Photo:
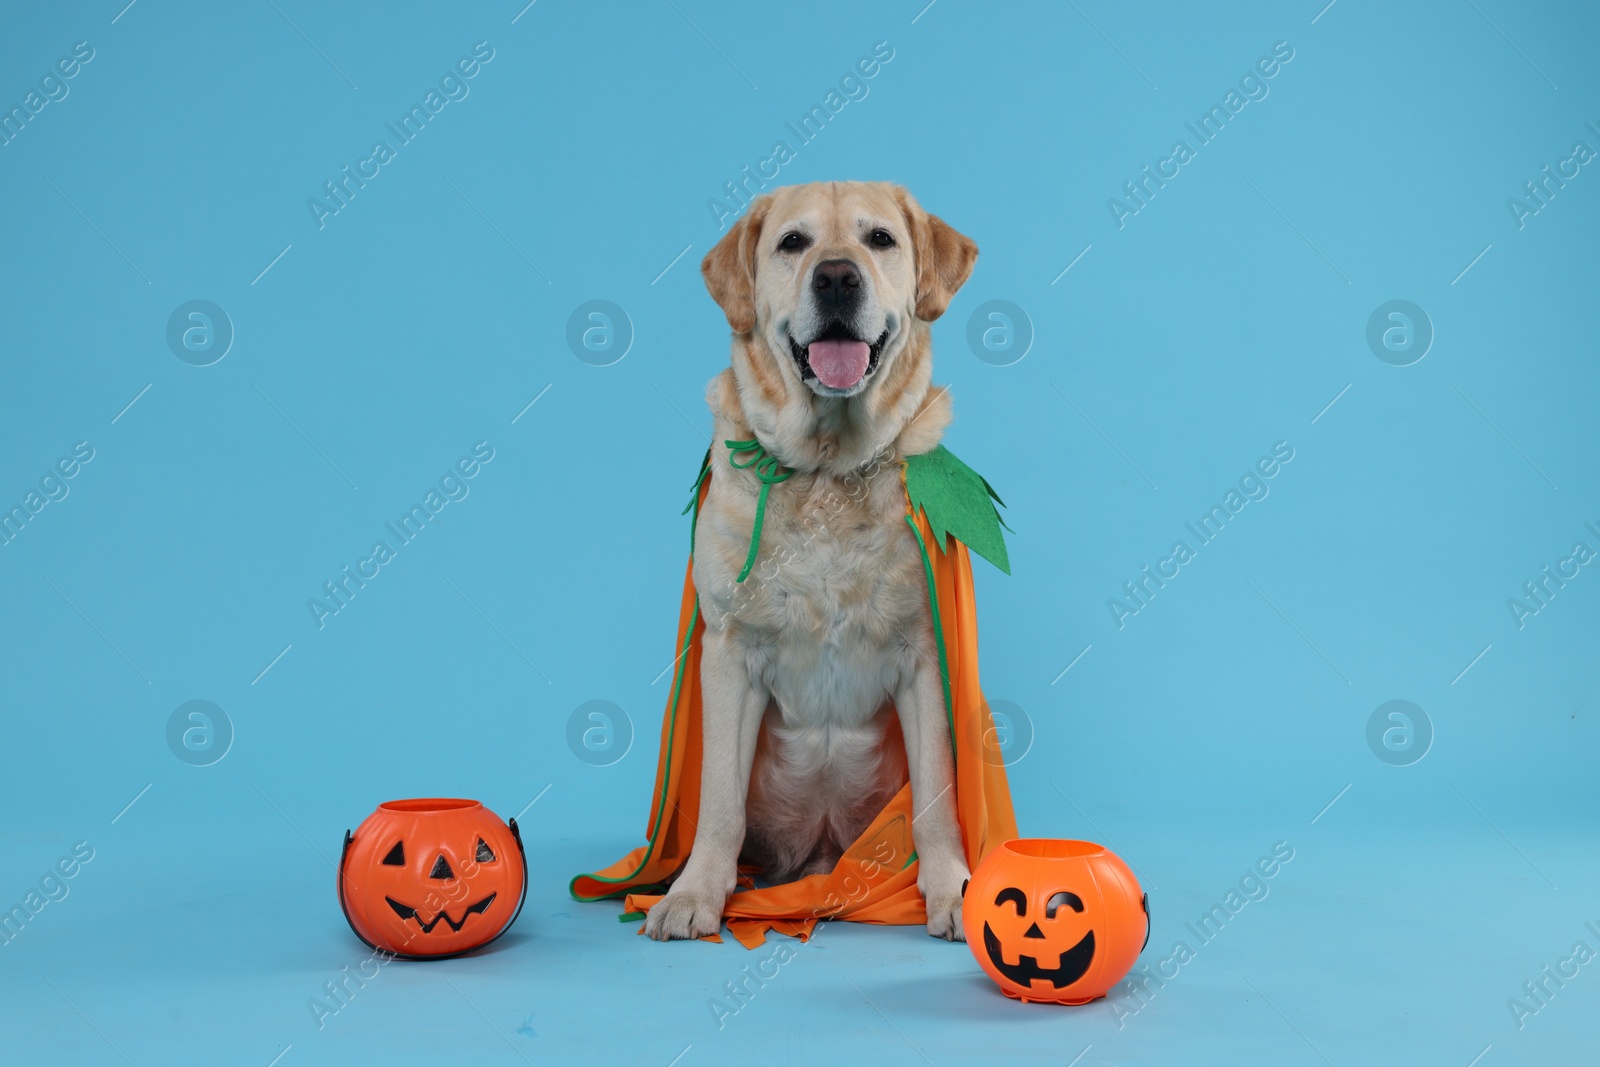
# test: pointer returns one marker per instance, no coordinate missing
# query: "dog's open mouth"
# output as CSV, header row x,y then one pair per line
x,y
837,358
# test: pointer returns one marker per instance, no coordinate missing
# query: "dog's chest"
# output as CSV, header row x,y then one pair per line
x,y
837,593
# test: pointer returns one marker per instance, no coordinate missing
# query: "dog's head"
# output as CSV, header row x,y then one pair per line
x,y
831,280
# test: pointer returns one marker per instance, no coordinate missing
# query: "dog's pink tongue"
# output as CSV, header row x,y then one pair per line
x,y
838,364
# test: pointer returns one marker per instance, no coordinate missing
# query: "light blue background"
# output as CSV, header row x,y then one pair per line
x,y
1223,317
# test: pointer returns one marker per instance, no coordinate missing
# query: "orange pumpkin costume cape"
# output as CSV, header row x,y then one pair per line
x,y
949,509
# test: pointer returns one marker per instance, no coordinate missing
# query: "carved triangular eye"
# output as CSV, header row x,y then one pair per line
x,y
484,854
441,868
397,855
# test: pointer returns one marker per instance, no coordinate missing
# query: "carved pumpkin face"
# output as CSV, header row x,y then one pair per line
x,y
1053,920
433,877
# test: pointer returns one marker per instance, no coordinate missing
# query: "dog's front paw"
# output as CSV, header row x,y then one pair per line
x,y
941,897
685,913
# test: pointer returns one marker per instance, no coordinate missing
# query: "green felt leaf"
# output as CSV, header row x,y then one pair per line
x,y
959,503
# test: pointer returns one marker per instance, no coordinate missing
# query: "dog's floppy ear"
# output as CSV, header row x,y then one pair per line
x,y
944,258
730,268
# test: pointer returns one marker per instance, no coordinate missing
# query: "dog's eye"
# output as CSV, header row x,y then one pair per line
x,y
792,242
881,239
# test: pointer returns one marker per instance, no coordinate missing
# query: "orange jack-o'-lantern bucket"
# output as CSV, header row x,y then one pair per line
x,y
1054,920
432,878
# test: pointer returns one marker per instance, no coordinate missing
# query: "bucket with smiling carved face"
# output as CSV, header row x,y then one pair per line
x,y
432,878
1054,920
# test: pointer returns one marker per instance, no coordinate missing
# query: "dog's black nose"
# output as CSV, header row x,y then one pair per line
x,y
837,283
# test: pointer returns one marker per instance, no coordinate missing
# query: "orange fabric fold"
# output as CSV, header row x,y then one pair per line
x,y
875,881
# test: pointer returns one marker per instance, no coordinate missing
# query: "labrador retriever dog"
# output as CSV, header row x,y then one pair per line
x,y
829,289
